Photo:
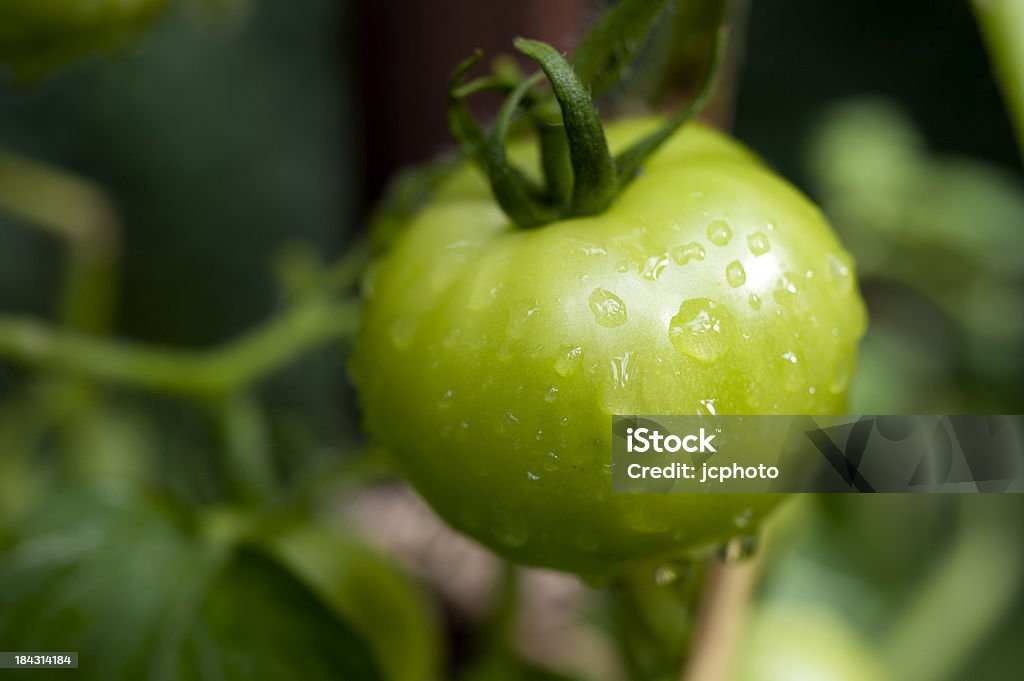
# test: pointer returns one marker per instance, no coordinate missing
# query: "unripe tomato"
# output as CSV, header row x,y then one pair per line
x,y
491,358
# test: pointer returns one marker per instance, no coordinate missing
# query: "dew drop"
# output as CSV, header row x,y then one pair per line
x,y
839,272
517,324
700,329
686,253
793,376
551,462
743,518
608,308
719,232
785,291
624,369
707,407
569,360
530,475
552,394
665,575
739,549
735,274
653,267
758,243
755,301
446,400
623,266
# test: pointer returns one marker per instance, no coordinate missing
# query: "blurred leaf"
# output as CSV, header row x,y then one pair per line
x,y
122,581
806,643
381,602
949,229
39,35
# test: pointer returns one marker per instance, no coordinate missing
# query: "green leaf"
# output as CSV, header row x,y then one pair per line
x,y
384,605
127,584
614,43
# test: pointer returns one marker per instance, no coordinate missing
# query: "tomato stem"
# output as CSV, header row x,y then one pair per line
x,y
580,175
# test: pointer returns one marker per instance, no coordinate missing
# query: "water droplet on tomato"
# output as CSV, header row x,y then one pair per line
x,y
758,243
665,575
719,232
446,399
686,253
792,372
739,549
552,394
735,274
551,462
743,518
653,267
700,329
608,308
755,301
839,271
569,360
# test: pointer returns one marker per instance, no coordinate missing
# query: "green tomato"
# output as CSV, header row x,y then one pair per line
x,y
37,35
491,358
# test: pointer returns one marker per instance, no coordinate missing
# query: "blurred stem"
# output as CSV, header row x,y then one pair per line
x,y
970,590
80,212
498,631
247,447
1002,26
653,609
723,610
211,374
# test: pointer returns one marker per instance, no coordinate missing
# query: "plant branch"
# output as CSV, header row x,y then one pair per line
x,y
79,212
213,373
722,613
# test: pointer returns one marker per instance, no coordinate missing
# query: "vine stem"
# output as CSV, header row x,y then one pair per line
x,y
81,214
207,374
721,616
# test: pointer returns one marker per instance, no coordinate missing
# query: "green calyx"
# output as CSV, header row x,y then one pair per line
x,y
580,175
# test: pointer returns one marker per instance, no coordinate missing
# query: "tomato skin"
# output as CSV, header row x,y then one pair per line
x,y
491,358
